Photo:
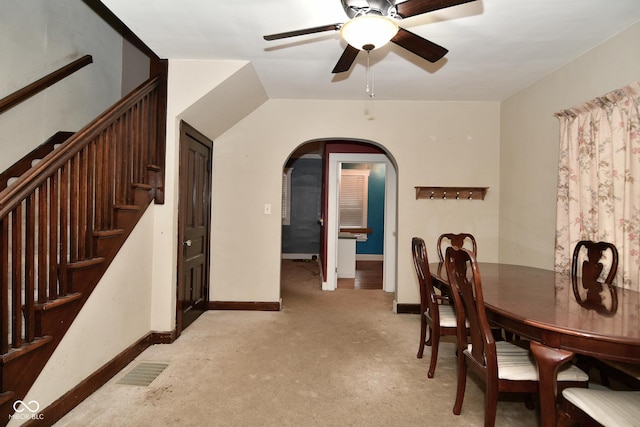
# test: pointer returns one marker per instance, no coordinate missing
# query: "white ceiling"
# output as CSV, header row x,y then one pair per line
x,y
496,47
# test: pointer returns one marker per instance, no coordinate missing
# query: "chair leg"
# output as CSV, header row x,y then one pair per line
x,y
423,334
435,341
430,336
530,401
491,404
462,383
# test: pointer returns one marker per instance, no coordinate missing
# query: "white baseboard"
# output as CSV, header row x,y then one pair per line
x,y
369,257
299,256
326,287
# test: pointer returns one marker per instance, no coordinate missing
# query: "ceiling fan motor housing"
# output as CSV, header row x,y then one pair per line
x,y
355,8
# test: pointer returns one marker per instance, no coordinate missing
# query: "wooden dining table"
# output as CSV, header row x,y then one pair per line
x,y
540,305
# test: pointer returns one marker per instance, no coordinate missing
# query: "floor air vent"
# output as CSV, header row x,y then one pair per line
x,y
143,373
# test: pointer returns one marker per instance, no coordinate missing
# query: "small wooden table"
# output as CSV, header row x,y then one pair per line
x,y
540,305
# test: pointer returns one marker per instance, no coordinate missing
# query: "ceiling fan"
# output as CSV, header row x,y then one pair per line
x,y
373,23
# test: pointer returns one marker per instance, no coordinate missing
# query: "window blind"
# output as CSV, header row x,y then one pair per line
x,y
353,199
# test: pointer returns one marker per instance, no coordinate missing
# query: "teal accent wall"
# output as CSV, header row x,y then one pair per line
x,y
375,209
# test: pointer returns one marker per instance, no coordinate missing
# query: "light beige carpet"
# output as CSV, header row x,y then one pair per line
x,y
338,358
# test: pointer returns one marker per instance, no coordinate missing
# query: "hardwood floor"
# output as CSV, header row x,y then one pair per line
x,y
368,276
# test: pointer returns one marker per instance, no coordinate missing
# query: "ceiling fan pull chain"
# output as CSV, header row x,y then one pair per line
x,y
367,89
370,77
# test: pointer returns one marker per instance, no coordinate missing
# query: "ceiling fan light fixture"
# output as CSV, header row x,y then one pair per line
x,y
368,32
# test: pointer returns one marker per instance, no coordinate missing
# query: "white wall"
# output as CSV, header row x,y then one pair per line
x,y
529,144
189,81
135,67
433,143
36,38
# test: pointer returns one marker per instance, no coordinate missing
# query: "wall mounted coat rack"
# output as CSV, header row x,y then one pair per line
x,y
451,193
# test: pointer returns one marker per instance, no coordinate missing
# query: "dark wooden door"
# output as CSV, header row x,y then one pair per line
x,y
194,230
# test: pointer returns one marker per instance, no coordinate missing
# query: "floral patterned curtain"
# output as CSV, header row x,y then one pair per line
x,y
599,180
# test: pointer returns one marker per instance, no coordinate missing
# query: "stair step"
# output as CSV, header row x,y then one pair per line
x,y
127,207
58,302
104,234
26,348
84,264
142,186
155,178
142,193
107,242
126,216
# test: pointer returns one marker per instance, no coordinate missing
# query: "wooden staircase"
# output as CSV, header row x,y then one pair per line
x,y
63,221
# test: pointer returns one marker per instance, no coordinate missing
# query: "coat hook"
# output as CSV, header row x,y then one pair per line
x,y
431,196
444,196
470,195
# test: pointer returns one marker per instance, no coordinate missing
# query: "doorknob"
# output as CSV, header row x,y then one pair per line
x,y
187,243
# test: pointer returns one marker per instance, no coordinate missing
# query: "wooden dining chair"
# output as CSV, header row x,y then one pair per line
x,y
459,240
504,366
589,287
590,278
591,281
436,311
599,407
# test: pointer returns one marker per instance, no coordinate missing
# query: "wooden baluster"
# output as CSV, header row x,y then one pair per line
x,y
140,143
4,284
43,240
106,178
152,131
105,182
123,158
155,140
99,182
133,135
30,267
16,279
144,136
134,147
65,213
54,242
89,200
74,188
109,176
82,204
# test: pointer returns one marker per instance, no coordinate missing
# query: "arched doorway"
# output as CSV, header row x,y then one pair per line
x,y
328,155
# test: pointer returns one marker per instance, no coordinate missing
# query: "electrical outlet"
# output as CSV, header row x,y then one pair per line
x,y
267,209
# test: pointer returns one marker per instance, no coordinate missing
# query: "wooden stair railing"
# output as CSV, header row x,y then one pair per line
x,y
63,221
43,83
